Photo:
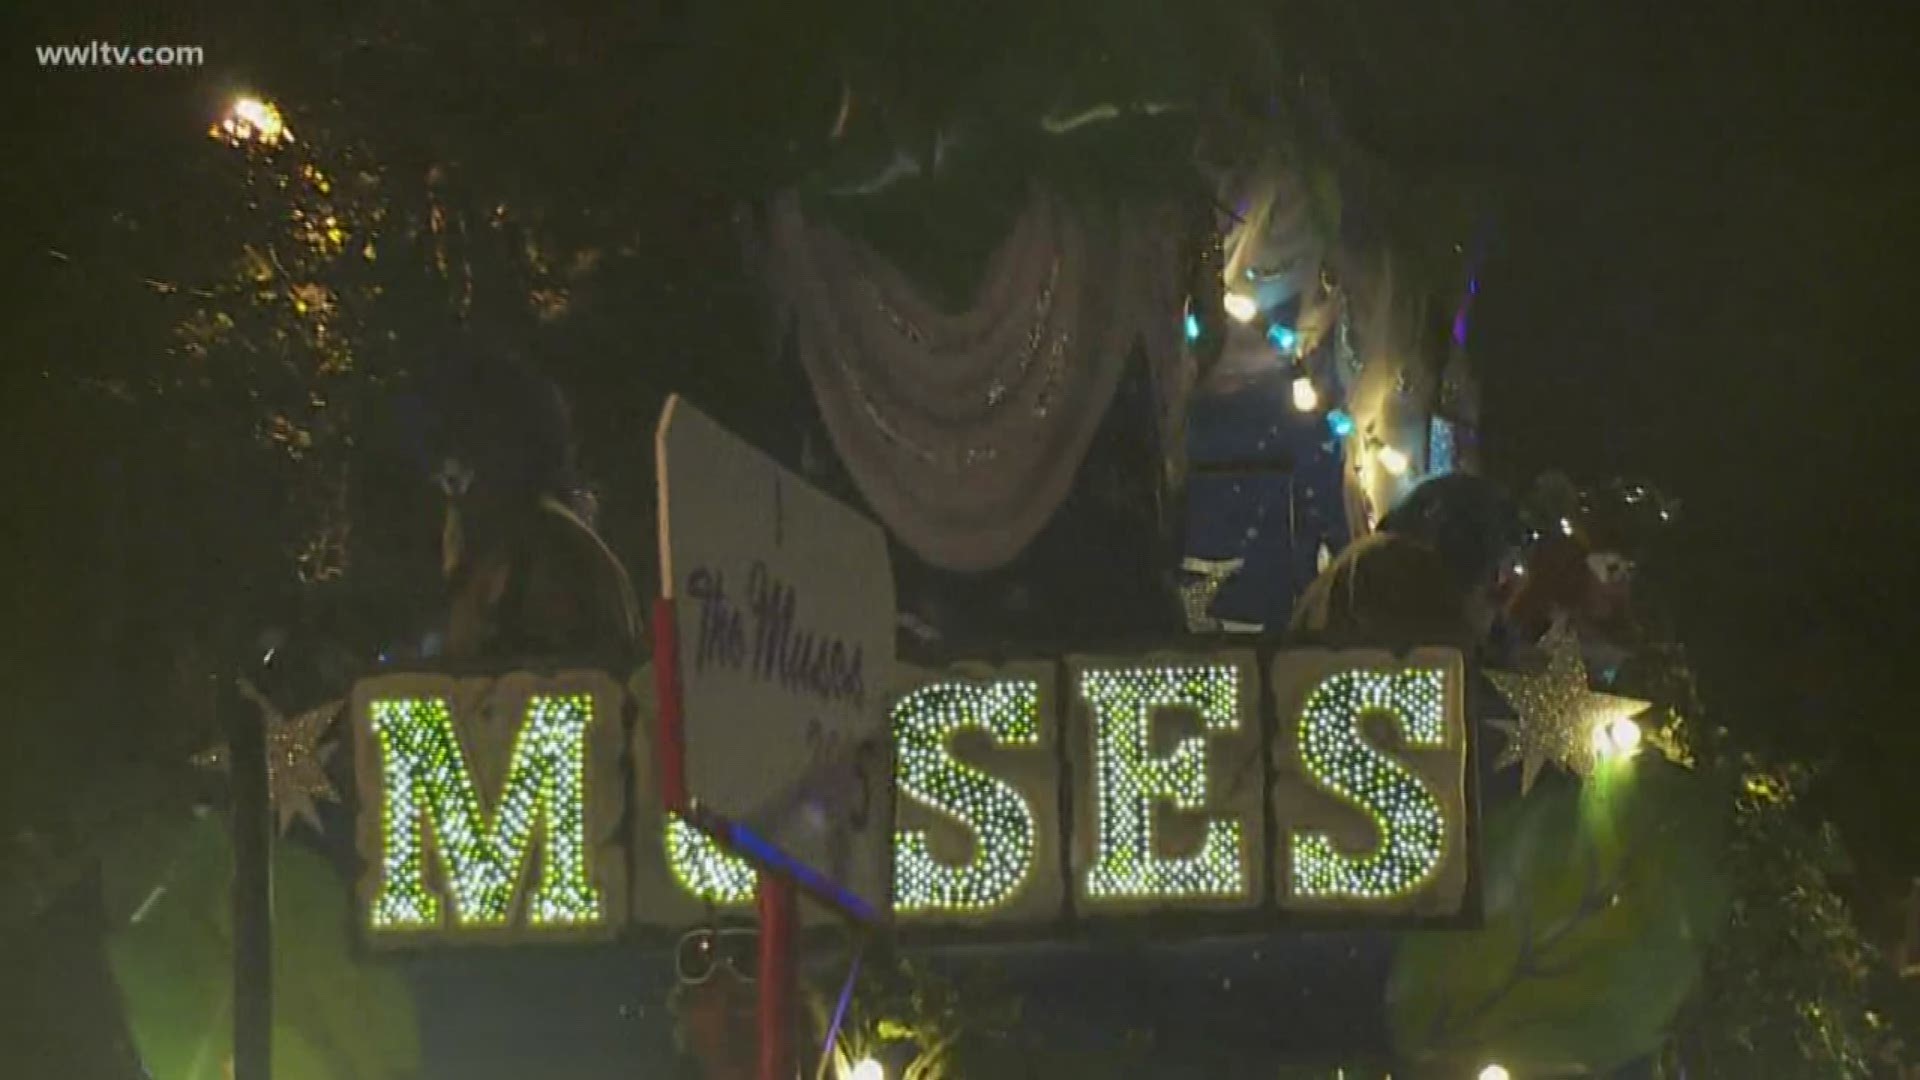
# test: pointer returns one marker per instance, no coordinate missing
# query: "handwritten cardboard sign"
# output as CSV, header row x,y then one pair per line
x,y
784,609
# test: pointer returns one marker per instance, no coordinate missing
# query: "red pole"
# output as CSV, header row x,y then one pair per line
x,y
777,977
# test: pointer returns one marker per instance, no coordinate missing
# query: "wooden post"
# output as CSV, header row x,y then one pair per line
x,y
252,821
777,977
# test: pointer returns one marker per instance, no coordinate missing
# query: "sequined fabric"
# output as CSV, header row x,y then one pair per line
x,y
964,430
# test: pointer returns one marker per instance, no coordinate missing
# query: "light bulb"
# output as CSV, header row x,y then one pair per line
x,y
1566,527
1340,423
1601,740
253,118
1193,327
1616,738
1495,1072
1305,398
1393,460
867,1069
1283,338
1240,307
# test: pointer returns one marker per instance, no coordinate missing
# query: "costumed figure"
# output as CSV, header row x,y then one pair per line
x,y
526,573
1431,575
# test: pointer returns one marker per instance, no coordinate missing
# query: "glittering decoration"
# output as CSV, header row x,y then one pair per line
x,y
963,429
1128,781
1345,350
1558,713
1440,447
1206,577
296,762
1406,815
709,872
252,120
426,782
1006,836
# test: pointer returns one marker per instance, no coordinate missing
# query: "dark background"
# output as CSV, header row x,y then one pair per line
x,y
1702,274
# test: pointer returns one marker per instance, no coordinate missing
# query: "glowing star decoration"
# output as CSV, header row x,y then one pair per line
x,y
1006,835
428,786
1129,781
296,762
1405,814
707,871
1558,713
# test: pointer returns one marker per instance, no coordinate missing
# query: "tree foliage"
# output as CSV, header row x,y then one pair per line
x,y
1791,989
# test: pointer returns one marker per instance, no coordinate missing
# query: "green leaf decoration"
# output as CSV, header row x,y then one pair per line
x,y
1600,900
336,1017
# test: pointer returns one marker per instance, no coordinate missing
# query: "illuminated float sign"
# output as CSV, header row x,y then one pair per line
x,y
1242,787
1247,789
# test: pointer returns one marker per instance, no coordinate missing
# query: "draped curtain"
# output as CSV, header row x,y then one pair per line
x,y
964,429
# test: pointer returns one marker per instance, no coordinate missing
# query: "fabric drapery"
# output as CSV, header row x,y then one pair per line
x,y
964,430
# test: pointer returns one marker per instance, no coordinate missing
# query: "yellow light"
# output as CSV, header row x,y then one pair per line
x,y
1616,738
1495,1072
1305,398
251,118
1241,307
867,1069
1392,460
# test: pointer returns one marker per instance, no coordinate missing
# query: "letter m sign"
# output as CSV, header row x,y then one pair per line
x,y
489,806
